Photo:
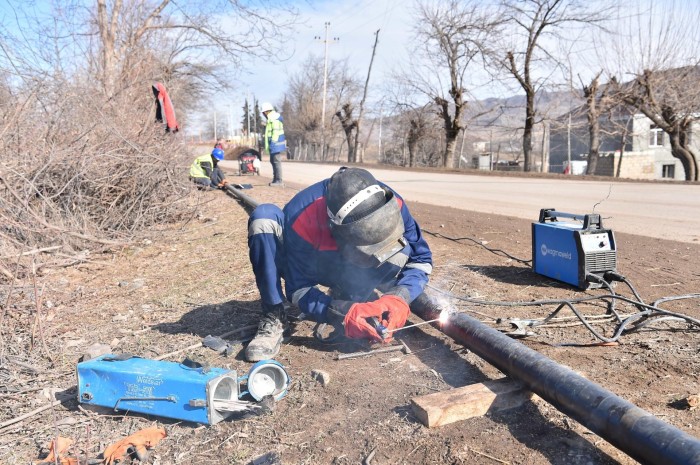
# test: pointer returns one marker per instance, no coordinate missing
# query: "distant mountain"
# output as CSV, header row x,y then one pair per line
x,y
509,112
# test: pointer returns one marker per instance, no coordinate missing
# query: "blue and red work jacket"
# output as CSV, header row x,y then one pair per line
x,y
312,258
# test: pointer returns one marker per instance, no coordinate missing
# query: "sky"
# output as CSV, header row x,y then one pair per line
x,y
353,23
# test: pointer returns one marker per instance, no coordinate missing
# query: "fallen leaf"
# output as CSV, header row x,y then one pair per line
x,y
57,449
140,441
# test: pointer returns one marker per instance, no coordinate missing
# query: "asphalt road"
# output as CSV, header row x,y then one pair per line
x,y
662,210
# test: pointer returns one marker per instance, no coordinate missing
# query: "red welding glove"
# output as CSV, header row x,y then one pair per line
x,y
395,311
223,184
356,325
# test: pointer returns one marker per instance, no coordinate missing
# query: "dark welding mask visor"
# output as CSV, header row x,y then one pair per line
x,y
373,239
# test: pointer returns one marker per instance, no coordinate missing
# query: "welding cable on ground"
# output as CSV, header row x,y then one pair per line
x,y
560,322
675,297
584,321
543,302
611,303
614,276
499,252
648,312
665,314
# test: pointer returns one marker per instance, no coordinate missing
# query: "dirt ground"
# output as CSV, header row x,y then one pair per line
x,y
193,279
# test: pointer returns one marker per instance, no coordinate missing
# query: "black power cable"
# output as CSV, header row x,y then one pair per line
x,y
647,313
499,252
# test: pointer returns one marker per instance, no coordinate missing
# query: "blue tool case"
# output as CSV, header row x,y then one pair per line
x,y
154,387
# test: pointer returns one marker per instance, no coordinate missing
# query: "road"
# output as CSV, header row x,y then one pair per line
x,y
661,210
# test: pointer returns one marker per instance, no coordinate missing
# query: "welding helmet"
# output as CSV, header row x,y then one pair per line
x,y
266,106
218,154
365,218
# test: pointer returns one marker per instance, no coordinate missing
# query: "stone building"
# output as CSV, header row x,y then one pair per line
x,y
646,154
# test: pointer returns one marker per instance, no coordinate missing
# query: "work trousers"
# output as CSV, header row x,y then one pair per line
x,y
276,162
265,250
215,177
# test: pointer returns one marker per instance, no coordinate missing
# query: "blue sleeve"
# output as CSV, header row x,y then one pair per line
x,y
301,279
414,275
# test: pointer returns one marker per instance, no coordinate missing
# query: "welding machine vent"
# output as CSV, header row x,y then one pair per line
x,y
601,261
572,251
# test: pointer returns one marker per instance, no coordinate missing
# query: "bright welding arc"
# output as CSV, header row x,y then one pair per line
x,y
444,315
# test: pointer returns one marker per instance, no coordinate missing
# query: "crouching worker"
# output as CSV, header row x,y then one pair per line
x,y
205,173
349,233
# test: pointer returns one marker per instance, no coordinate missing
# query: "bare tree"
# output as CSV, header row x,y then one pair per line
x,y
531,21
670,99
663,62
417,131
82,163
416,138
233,29
451,37
597,103
349,125
303,97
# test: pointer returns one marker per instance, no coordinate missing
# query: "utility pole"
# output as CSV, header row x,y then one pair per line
x,y
568,145
247,116
461,148
325,82
362,102
381,117
255,116
229,123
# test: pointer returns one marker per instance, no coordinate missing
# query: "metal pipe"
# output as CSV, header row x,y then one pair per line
x,y
631,429
251,202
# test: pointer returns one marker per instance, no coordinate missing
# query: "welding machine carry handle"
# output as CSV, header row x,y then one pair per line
x,y
590,220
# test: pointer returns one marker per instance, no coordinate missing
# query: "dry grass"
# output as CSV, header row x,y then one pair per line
x,y
78,175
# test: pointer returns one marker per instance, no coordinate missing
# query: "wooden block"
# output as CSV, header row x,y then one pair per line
x,y
443,408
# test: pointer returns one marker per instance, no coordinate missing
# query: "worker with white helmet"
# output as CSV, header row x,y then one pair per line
x,y
275,142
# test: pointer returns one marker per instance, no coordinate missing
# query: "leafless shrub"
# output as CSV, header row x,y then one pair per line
x,y
80,172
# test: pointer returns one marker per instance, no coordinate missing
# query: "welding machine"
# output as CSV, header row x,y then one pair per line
x,y
176,390
573,252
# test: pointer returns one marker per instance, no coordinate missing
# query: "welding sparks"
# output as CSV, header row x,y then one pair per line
x,y
442,319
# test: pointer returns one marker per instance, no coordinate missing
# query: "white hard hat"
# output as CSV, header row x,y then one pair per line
x,y
266,106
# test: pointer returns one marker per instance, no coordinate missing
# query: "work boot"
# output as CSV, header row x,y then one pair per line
x,y
268,340
277,183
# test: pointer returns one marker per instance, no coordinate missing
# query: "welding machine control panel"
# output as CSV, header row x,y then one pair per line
x,y
595,242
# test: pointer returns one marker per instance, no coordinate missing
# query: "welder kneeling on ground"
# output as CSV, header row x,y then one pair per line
x,y
349,233
205,173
